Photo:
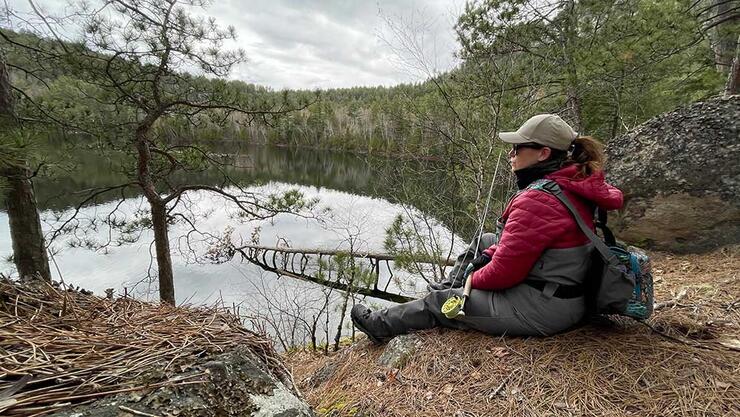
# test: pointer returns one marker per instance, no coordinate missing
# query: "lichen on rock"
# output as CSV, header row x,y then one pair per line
x,y
681,178
399,350
236,383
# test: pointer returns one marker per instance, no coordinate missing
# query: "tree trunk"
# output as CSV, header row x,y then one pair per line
x,y
162,246
6,91
617,108
733,78
158,210
573,99
338,336
722,35
574,107
29,249
314,326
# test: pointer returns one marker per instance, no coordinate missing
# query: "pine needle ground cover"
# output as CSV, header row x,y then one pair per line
x,y
80,348
685,361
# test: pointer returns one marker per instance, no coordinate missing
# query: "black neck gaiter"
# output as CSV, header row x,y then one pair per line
x,y
530,174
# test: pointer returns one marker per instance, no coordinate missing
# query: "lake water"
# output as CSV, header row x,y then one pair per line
x,y
356,193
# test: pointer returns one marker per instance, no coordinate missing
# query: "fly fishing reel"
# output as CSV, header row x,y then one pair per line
x,y
454,306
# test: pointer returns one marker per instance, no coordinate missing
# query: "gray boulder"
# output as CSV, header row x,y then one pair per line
x,y
238,383
681,178
399,350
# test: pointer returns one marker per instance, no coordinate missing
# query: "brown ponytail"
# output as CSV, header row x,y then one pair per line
x,y
589,153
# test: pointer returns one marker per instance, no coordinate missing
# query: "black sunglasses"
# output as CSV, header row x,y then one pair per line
x,y
531,145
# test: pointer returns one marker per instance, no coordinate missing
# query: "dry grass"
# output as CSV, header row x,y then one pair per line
x,y
80,347
619,368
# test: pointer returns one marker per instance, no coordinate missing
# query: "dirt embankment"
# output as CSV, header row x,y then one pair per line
x,y
684,362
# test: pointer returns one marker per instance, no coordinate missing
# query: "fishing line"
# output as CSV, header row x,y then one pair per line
x,y
455,304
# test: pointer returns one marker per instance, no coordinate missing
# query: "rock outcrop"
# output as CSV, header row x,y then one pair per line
x,y
70,353
399,350
237,383
681,178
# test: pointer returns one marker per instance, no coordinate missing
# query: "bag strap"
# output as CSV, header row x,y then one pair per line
x,y
601,216
601,224
553,188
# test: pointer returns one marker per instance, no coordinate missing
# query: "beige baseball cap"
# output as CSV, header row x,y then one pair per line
x,y
546,129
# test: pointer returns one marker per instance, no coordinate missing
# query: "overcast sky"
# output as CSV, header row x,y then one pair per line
x,y
311,44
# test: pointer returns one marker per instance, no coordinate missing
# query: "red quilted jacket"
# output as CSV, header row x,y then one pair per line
x,y
536,221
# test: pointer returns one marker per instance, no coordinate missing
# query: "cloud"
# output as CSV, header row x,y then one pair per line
x,y
307,44
333,43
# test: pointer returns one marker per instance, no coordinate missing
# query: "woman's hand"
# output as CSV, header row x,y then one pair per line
x,y
480,262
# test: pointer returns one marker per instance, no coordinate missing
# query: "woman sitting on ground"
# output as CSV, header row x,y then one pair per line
x,y
529,280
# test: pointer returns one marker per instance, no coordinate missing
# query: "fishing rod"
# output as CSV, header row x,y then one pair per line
x,y
454,306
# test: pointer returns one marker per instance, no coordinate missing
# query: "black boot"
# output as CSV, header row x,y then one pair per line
x,y
375,331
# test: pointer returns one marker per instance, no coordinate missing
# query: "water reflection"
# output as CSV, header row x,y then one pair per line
x,y
347,184
249,165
